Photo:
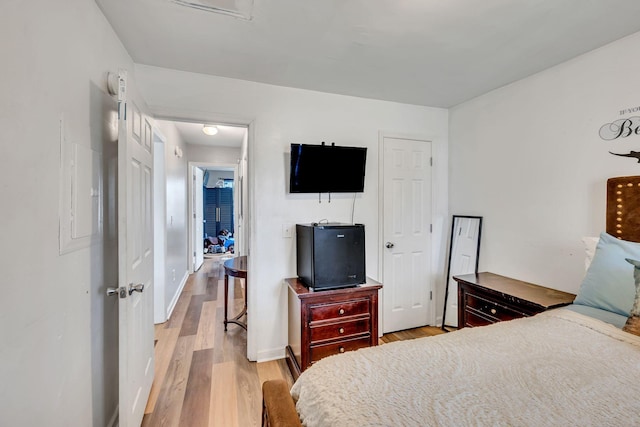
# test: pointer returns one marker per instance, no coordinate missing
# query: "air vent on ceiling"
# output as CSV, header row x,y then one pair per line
x,y
238,8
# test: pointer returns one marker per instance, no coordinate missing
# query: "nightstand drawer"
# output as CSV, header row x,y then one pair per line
x,y
473,319
339,310
340,329
490,309
320,351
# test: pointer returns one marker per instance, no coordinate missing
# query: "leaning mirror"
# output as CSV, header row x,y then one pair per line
x,y
464,251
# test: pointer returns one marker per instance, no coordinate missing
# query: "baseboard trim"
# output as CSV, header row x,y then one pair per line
x,y
272,354
292,363
175,298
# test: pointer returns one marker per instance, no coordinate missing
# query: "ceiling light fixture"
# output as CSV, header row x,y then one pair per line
x,y
209,129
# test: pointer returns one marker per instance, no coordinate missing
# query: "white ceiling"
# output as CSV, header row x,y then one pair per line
x,y
227,136
428,52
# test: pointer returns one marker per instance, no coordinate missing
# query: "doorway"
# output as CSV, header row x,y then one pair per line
x,y
185,149
214,202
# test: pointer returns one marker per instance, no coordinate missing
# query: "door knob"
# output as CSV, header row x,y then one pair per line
x,y
389,245
117,291
136,288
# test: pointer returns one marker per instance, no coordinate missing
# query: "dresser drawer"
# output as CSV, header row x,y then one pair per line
x,y
473,319
339,310
320,351
490,309
340,329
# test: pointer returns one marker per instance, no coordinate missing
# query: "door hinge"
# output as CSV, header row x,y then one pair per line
x,y
430,228
430,295
431,161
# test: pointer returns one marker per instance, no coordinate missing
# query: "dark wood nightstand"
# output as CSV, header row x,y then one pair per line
x,y
486,298
326,322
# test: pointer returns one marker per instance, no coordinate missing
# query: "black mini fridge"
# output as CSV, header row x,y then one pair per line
x,y
330,255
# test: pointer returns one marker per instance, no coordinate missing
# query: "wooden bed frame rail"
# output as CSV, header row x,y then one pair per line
x,y
278,409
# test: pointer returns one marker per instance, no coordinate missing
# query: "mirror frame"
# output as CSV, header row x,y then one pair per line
x,y
451,245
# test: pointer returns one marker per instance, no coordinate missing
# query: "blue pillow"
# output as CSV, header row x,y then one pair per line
x,y
615,319
609,283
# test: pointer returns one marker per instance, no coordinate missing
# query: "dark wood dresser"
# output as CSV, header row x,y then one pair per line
x,y
486,298
327,322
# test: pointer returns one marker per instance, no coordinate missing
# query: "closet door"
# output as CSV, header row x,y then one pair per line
x,y
218,210
210,211
225,209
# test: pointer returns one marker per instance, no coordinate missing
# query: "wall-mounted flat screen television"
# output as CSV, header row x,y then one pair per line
x,y
327,169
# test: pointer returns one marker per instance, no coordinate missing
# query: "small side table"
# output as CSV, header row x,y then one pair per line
x,y
235,267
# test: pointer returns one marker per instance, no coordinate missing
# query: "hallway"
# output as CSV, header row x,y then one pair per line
x,y
202,375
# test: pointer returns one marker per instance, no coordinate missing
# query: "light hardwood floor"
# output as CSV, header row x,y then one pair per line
x,y
202,375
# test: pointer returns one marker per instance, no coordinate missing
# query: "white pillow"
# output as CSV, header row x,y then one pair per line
x,y
590,244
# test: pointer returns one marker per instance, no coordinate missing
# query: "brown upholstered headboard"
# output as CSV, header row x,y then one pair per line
x,y
623,207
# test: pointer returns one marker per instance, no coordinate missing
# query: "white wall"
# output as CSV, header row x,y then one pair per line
x,y
58,330
213,155
528,158
176,223
280,116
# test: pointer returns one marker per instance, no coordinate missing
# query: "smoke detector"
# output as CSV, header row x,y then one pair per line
x,y
238,8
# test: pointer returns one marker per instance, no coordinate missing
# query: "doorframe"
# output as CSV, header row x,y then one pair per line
x,y
159,226
191,227
439,215
195,195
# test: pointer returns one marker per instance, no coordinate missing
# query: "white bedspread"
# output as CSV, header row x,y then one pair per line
x,y
559,368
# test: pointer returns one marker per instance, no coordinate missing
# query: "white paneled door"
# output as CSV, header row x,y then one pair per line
x,y
406,259
135,256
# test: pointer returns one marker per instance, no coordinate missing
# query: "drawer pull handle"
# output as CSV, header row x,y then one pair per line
x,y
493,311
341,349
341,311
341,330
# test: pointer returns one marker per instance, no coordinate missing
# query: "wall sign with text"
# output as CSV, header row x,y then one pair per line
x,y
623,128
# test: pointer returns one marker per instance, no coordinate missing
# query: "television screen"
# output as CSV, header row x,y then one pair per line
x,y
327,169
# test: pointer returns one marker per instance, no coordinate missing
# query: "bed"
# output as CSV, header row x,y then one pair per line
x,y
577,365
